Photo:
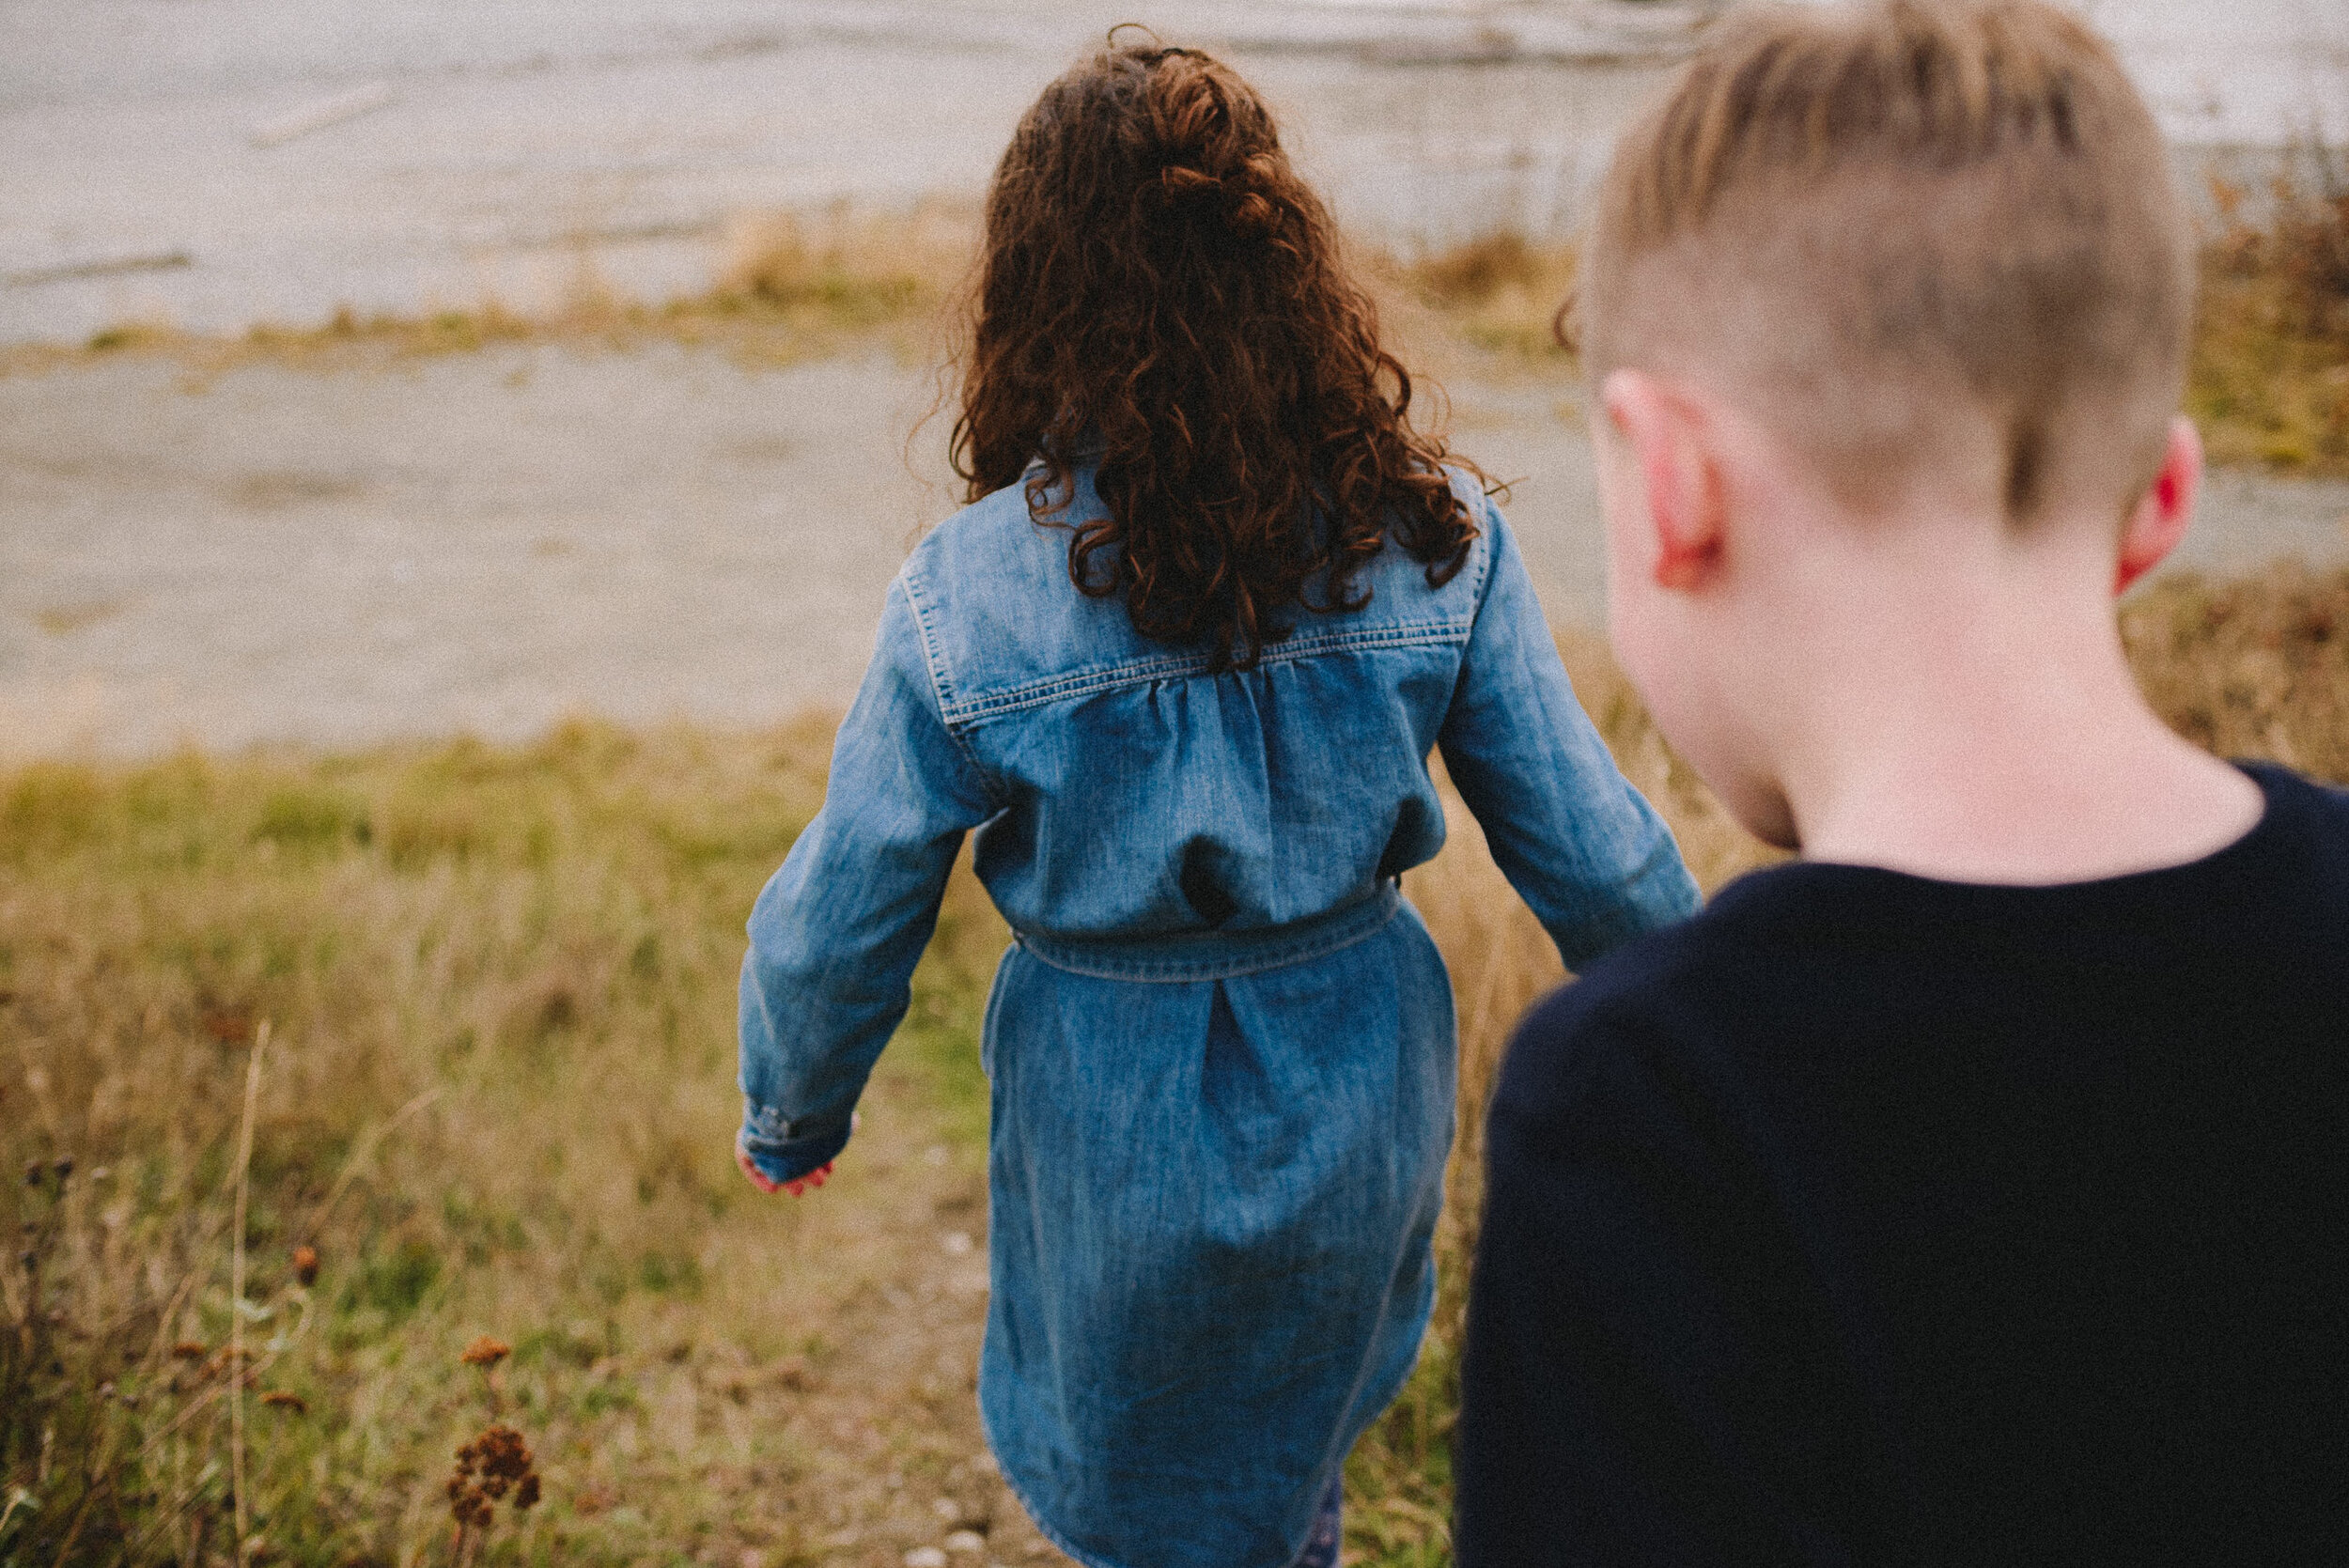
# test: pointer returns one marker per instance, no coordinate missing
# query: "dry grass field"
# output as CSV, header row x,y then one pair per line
x,y
486,1001
2271,366
451,1028
358,1109
2269,382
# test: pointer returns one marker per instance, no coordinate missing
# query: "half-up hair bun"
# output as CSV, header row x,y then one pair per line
x,y
1254,188
1254,215
1182,180
1192,112
1216,140
1237,203
1163,300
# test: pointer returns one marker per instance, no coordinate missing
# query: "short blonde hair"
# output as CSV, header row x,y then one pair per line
x,y
1871,213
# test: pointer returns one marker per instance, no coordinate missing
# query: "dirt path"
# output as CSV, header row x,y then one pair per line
x,y
488,542
893,1465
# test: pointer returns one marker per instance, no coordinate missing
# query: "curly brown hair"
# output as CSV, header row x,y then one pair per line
x,y
1163,297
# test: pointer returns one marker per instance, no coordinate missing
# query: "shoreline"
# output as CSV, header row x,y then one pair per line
x,y
264,159
496,542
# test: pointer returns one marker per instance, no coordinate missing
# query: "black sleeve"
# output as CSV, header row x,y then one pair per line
x,y
1631,1389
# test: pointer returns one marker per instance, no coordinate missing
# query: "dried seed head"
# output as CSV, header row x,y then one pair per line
x,y
281,1400
306,1265
504,1453
486,1352
497,1462
189,1350
64,1168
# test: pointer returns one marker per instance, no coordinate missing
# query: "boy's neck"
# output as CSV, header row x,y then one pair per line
x,y
1975,720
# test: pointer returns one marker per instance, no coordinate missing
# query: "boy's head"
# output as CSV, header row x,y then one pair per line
x,y
1887,308
1886,223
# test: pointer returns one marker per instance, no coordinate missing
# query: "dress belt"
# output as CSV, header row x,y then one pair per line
x,y
1216,954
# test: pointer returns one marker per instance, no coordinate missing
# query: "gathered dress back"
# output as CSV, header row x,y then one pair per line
x,y
1222,1046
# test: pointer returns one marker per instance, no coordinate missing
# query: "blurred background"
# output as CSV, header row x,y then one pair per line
x,y
451,457
489,144
213,546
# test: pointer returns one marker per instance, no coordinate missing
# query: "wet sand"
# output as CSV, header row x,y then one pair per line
x,y
491,541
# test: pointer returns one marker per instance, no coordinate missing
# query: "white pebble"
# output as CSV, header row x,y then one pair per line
x,y
926,1557
966,1541
957,1244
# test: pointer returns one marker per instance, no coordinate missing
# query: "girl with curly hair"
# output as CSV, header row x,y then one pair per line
x,y
1179,667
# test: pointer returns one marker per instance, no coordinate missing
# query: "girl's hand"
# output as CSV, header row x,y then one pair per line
x,y
814,1178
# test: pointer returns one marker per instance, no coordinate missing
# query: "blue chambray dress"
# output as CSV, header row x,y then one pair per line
x,y
1222,1047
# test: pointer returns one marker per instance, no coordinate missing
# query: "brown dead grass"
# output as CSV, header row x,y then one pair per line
x,y
1502,293
2269,378
496,1101
498,987
2270,382
2250,667
785,289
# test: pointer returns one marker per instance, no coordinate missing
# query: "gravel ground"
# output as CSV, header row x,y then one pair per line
x,y
488,542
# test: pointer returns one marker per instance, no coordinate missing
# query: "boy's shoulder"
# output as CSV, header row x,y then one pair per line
x,y
1659,994
1826,969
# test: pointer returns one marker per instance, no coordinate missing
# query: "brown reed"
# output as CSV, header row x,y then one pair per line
x,y
2270,381
2269,385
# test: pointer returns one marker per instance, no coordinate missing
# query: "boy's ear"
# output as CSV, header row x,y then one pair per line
x,y
2159,519
1672,441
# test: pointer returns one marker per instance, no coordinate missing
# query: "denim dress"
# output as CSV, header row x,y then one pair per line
x,y
1221,1046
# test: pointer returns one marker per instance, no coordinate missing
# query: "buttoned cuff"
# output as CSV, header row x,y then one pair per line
x,y
784,1150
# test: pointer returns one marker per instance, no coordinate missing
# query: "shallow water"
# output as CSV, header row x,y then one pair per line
x,y
516,138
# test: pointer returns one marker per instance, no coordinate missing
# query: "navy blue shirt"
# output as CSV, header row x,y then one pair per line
x,y
1867,1218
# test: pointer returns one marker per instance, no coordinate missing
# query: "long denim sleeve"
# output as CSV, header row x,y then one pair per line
x,y
838,931
1592,858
